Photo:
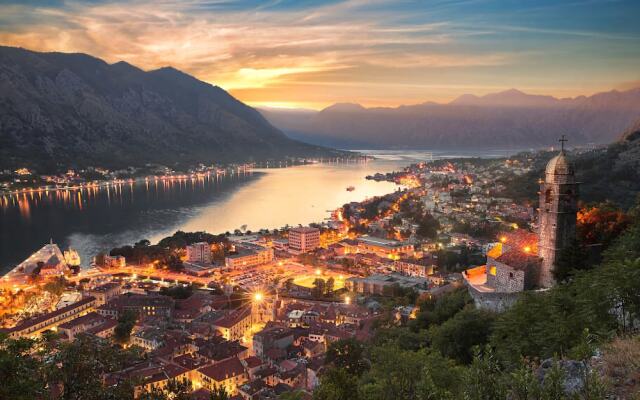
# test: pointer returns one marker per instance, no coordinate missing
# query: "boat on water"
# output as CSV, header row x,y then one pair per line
x,y
351,188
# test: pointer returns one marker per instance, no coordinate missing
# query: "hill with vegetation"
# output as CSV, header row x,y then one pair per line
x,y
611,173
60,110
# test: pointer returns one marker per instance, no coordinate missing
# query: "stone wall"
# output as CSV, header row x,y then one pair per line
x,y
493,301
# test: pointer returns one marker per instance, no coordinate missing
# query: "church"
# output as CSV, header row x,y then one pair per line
x,y
523,260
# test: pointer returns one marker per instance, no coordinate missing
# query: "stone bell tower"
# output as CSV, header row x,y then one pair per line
x,y
557,213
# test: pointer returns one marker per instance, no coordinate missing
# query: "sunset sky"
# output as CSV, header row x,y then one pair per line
x,y
299,53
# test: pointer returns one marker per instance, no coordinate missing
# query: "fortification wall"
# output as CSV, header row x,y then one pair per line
x,y
493,301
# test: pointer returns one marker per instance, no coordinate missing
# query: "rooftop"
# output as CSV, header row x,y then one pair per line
x,y
380,241
223,370
304,229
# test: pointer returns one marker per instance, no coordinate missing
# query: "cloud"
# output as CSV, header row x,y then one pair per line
x,y
284,47
227,46
629,85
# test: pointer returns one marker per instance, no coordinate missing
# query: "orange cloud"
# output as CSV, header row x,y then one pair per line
x,y
311,57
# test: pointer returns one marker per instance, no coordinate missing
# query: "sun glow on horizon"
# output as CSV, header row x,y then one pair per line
x,y
311,55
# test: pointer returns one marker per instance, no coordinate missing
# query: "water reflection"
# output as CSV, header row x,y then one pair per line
x,y
97,218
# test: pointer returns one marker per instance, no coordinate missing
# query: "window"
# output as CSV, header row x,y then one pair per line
x,y
492,270
547,196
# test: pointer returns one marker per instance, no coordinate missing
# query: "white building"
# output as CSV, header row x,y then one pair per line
x,y
304,239
199,253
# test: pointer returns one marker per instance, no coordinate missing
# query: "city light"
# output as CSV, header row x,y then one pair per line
x,y
318,272
347,300
503,239
527,249
257,296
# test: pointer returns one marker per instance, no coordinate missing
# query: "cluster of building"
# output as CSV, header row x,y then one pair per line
x,y
268,344
265,346
523,260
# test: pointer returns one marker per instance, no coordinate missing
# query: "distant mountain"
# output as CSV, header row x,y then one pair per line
x,y
59,110
509,119
508,98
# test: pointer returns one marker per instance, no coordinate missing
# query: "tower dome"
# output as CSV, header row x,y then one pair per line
x,y
560,165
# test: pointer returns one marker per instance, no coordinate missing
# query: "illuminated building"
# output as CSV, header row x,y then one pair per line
x,y
105,293
115,261
34,326
304,239
199,253
249,255
229,374
385,248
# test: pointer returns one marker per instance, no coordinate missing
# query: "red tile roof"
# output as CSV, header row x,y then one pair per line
x,y
223,370
253,362
233,318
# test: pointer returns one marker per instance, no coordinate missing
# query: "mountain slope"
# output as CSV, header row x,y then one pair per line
x,y
59,110
610,173
509,119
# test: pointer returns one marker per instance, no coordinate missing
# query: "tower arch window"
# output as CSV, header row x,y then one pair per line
x,y
547,196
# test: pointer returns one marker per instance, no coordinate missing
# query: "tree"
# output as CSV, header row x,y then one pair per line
x,y
175,389
175,263
318,288
601,224
523,384
428,227
292,395
434,311
456,337
56,286
21,374
288,283
329,286
82,364
394,374
337,384
219,393
177,291
347,354
482,379
126,322
572,258
142,243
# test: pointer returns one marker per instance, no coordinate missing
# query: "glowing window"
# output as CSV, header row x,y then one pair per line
x,y
492,270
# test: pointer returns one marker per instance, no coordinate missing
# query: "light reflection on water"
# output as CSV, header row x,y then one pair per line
x,y
99,218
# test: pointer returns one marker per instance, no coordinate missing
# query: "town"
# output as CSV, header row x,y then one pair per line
x,y
254,313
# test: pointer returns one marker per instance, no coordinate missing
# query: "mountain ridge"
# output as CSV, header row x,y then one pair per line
x,y
506,119
60,110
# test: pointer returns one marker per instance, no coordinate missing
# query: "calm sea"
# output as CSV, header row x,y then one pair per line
x,y
97,220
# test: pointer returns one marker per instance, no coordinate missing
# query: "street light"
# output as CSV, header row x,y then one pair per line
x,y
347,300
257,297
